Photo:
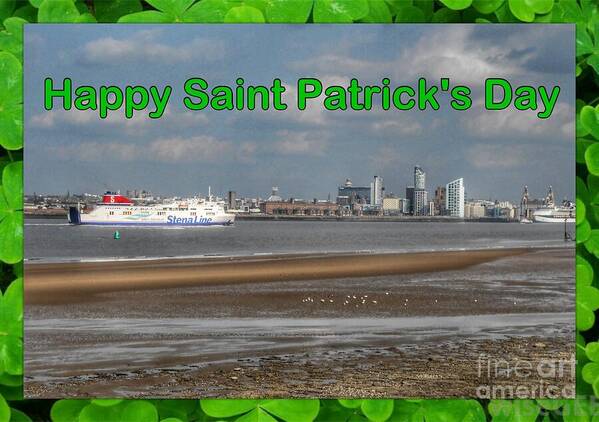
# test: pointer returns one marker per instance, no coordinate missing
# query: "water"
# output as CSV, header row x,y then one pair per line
x,y
55,240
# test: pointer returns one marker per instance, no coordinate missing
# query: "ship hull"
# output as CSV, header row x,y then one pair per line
x,y
544,219
181,219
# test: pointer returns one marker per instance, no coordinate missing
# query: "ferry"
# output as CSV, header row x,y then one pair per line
x,y
566,213
117,210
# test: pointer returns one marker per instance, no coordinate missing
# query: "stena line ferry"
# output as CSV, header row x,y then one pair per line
x,y
116,210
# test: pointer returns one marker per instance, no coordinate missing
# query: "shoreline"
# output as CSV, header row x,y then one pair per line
x,y
61,282
418,334
432,370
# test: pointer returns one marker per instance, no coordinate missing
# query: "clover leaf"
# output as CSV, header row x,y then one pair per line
x,y
11,213
11,39
288,11
11,329
4,410
139,411
517,410
377,410
11,99
111,11
6,8
339,11
587,302
525,10
457,4
244,14
584,272
58,11
437,410
409,14
487,6
67,410
182,11
378,12
262,410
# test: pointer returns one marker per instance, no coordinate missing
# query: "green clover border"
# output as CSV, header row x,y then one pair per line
x,y
15,13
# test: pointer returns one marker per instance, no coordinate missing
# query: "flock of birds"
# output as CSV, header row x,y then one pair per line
x,y
348,300
362,300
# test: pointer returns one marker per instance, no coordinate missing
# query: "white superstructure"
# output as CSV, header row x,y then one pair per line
x,y
117,210
563,214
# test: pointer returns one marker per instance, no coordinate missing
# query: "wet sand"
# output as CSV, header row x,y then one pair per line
x,y
414,332
64,282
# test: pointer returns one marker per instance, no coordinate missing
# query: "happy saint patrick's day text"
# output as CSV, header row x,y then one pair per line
x,y
499,94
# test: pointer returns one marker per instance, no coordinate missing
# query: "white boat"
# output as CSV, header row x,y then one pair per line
x,y
563,214
118,210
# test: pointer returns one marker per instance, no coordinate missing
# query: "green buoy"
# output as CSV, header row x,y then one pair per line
x,y
117,235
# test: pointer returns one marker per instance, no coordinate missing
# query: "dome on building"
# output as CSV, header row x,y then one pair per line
x,y
274,196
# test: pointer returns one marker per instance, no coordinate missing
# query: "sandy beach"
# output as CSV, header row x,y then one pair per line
x,y
372,325
57,282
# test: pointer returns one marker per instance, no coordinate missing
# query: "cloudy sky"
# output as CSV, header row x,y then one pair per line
x,y
306,153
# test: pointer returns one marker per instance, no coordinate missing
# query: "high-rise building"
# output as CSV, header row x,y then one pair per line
x,y
419,198
376,192
440,200
232,200
419,178
454,198
410,198
420,202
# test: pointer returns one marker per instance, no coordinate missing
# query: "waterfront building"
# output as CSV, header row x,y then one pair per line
x,y
391,205
420,202
349,194
440,200
454,198
376,192
410,199
232,200
419,178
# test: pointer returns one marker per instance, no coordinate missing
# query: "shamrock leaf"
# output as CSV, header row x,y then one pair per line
x,y
211,11
584,271
11,91
111,11
244,14
67,410
409,14
59,11
11,213
377,410
288,11
11,39
378,12
262,410
583,232
4,410
517,410
6,8
487,6
525,10
183,11
11,331
457,4
437,410
139,411
338,11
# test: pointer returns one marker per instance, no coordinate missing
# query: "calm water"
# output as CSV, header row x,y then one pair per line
x,y
52,239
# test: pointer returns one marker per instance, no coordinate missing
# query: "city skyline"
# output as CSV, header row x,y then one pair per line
x,y
307,154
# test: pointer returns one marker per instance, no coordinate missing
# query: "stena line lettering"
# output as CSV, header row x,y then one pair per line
x,y
171,219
